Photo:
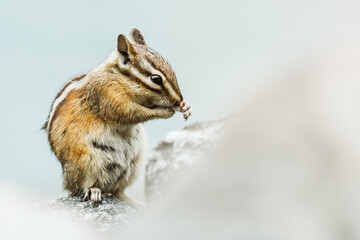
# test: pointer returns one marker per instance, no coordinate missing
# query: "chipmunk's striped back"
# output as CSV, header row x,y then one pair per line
x,y
75,83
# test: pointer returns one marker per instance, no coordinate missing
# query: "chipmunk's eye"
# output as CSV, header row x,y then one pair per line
x,y
156,79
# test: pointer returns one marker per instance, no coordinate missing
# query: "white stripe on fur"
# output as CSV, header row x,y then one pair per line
x,y
57,101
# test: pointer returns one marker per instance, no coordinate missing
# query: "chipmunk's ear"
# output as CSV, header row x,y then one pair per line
x,y
123,47
136,36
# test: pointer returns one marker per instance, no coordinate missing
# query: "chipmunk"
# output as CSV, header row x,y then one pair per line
x,y
95,126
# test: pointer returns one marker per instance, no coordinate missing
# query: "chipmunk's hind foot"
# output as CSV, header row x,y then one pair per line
x,y
86,196
93,194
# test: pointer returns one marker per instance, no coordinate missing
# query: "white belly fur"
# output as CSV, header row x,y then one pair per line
x,y
128,142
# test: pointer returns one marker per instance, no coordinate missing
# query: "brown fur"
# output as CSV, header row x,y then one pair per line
x,y
113,99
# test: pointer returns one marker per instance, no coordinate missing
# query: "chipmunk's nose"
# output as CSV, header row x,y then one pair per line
x,y
178,100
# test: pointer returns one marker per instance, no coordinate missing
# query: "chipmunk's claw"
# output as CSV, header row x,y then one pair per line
x,y
186,109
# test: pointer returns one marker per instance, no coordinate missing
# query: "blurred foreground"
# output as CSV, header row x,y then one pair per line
x,y
288,170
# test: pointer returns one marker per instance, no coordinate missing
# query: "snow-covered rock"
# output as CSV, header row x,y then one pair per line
x,y
111,213
180,150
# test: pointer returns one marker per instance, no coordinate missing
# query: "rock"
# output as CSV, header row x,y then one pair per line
x,y
180,150
289,170
109,214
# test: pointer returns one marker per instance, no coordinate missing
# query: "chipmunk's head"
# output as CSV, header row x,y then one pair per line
x,y
150,77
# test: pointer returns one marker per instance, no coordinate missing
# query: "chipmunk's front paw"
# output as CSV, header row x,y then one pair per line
x,y
186,109
95,194
164,112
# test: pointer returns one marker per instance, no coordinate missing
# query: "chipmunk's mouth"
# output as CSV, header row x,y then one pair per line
x,y
164,105
173,107
159,107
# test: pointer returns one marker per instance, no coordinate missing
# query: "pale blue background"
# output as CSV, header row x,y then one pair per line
x,y
45,43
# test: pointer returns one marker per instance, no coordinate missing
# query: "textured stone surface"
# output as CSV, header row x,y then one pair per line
x,y
180,150
109,214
